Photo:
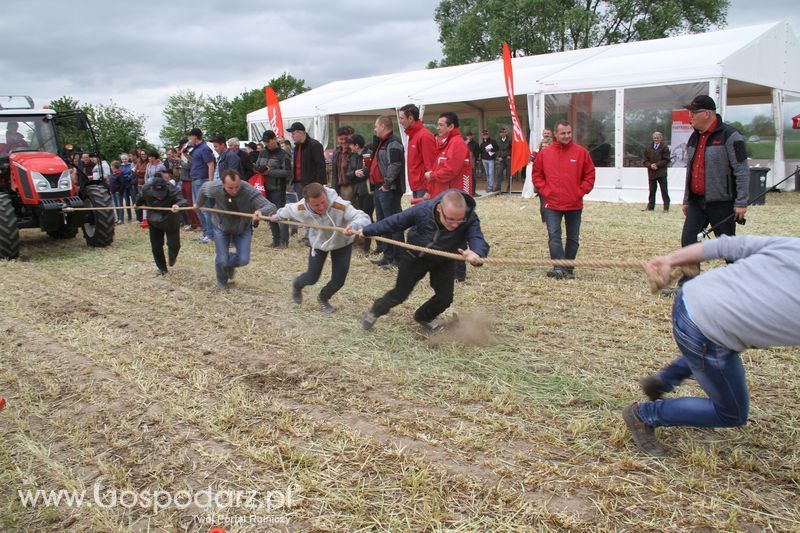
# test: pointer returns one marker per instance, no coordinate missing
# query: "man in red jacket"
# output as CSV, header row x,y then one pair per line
x,y
563,174
421,150
453,168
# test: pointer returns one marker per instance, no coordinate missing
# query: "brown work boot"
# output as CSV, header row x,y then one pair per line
x,y
643,435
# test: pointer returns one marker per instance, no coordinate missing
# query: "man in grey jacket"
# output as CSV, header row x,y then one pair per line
x,y
752,303
717,175
323,207
387,174
233,194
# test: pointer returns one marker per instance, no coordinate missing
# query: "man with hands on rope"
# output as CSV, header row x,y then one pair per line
x,y
752,303
446,223
162,193
237,196
323,207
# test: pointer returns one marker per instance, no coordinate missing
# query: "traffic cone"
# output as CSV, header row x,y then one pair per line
x,y
2,403
144,224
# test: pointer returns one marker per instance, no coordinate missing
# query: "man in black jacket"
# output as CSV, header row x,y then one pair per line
x,y
276,166
447,223
308,162
160,193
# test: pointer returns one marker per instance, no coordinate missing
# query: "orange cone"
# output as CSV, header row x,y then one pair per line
x,y
144,224
2,403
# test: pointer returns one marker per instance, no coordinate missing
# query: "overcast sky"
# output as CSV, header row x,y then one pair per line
x,y
139,53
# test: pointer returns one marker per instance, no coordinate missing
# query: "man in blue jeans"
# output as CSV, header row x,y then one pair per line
x,y
237,196
752,303
387,174
201,171
563,173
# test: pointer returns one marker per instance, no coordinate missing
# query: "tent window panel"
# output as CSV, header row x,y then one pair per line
x,y
591,115
649,109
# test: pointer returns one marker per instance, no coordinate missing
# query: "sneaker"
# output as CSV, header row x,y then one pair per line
x,y
368,320
652,386
172,261
161,273
222,286
325,305
277,245
297,295
203,239
231,273
568,274
304,241
431,326
669,293
556,273
187,227
380,262
460,279
643,435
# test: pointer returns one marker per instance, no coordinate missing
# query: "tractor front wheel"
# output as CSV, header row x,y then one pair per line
x,y
9,231
98,230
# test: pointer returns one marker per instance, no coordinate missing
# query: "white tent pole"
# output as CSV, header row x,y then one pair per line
x,y
779,165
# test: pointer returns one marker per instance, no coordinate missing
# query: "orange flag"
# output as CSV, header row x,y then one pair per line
x,y
274,111
520,152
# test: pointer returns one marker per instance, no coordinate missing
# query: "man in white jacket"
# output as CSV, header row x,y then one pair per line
x,y
323,207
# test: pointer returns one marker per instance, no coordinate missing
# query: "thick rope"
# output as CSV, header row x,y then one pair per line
x,y
655,285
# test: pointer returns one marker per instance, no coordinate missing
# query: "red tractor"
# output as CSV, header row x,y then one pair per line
x,y
40,176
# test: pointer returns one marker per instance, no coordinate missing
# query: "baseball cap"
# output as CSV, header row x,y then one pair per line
x,y
267,135
701,102
297,126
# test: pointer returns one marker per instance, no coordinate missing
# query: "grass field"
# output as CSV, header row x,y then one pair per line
x,y
511,422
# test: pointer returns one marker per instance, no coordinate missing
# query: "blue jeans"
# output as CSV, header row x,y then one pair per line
x,y
503,164
117,199
718,370
205,218
488,166
226,259
418,194
572,220
387,203
126,198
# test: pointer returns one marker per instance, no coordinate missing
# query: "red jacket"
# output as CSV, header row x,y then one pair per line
x,y
421,155
563,175
453,166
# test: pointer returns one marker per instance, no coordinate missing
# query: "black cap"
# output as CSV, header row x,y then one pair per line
x,y
268,135
196,132
251,145
700,103
297,126
159,187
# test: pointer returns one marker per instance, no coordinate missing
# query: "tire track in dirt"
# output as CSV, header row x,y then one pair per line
x,y
286,374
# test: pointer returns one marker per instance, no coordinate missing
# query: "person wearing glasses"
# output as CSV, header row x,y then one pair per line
x,y
448,223
717,175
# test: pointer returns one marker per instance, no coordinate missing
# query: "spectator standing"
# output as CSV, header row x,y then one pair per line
x,y
489,151
474,153
563,174
115,188
717,175
358,173
503,159
228,159
276,166
421,152
308,162
387,176
656,159
234,145
139,171
201,170
341,159
126,184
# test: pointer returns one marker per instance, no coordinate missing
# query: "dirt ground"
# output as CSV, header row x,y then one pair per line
x,y
126,384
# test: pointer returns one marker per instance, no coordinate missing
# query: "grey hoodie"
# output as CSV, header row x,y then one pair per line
x,y
340,214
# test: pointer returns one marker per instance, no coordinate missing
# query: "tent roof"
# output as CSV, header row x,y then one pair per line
x,y
762,55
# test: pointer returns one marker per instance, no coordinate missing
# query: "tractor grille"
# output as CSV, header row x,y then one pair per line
x,y
54,195
53,179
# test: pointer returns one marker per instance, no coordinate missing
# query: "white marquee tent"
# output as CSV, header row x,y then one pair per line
x,y
608,88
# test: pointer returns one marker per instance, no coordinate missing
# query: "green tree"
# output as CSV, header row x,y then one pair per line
x,y
184,111
117,129
474,30
762,126
65,103
286,86
217,116
242,105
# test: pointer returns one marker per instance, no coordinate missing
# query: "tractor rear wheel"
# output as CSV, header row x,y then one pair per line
x,y
63,233
9,231
99,229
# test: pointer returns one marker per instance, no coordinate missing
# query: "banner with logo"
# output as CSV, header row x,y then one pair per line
x,y
274,112
520,152
681,131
